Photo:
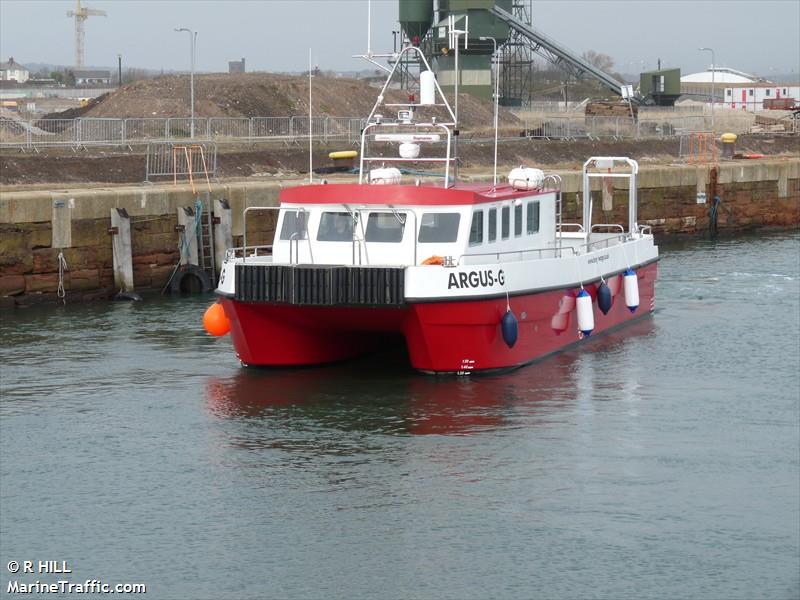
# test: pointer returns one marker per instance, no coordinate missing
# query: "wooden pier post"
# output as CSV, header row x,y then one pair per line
x,y
187,219
121,249
223,231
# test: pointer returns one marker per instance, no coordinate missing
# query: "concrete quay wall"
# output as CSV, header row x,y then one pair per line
x,y
36,225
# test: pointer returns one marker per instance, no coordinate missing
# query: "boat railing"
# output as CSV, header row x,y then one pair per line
x,y
645,230
578,227
263,208
538,252
367,159
597,226
557,183
400,215
241,252
607,242
294,242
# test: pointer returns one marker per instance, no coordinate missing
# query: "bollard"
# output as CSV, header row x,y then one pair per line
x,y
728,144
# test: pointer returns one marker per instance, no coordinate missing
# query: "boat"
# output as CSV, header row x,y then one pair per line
x,y
474,277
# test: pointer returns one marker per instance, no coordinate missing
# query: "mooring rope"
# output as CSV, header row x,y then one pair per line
x,y
184,241
62,266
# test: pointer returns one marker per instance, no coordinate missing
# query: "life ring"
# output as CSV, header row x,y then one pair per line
x,y
343,154
433,260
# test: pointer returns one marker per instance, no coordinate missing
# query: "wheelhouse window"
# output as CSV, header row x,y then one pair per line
x,y
518,220
294,225
335,227
476,228
492,224
385,227
439,228
506,223
532,218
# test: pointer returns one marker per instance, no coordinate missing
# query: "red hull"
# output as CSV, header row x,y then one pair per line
x,y
459,336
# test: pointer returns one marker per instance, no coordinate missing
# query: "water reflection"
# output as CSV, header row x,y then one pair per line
x,y
380,394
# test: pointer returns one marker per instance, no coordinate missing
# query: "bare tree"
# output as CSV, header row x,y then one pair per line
x,y
602,61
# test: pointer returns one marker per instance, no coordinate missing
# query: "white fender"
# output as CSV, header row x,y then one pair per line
x,y
631,290
585,312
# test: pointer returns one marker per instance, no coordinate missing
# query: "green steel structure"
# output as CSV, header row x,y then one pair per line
x,y
426,22
509,23
662,87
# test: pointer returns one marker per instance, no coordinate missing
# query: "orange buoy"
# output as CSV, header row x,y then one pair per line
x,y
433,260
215,322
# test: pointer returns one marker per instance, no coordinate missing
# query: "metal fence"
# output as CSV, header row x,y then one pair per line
x,y
612,127
166,159
85,132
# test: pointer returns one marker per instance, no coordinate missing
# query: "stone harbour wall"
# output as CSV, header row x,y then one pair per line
x,y
36,225
752,196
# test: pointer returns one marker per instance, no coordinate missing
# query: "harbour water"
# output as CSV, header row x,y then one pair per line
x,y
662,461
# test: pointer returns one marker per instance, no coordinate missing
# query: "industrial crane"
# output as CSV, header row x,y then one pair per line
x,y
81,13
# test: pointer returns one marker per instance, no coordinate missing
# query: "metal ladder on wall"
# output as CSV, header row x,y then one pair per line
x,y
205,218
205,239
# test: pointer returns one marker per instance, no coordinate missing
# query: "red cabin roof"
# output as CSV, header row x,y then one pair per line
x,y
403,195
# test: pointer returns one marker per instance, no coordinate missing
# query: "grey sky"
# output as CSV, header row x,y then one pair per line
x,y
757,36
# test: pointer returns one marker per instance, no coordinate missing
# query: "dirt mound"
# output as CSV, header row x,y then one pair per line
x,y
80,111
261,95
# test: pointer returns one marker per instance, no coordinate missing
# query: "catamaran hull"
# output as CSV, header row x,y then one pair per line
x,y
461,336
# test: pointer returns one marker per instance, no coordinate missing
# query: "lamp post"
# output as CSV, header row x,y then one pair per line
x,y
496,100
713,97
192,42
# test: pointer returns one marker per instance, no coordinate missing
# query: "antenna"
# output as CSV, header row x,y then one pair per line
x,y
310,126
369,56
369,27
454,37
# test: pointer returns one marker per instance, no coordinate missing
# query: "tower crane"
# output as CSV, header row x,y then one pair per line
x,y
81,13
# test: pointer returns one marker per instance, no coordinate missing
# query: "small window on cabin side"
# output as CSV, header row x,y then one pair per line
x,y
768,92
506,223
476,228
439,228
335,227
728,93
518,220
492,224
532,218
294,225
385,227
750,92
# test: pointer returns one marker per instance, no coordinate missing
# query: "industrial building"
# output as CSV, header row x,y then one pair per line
x,y
701,84
752,97
736,89
236,66
92,77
